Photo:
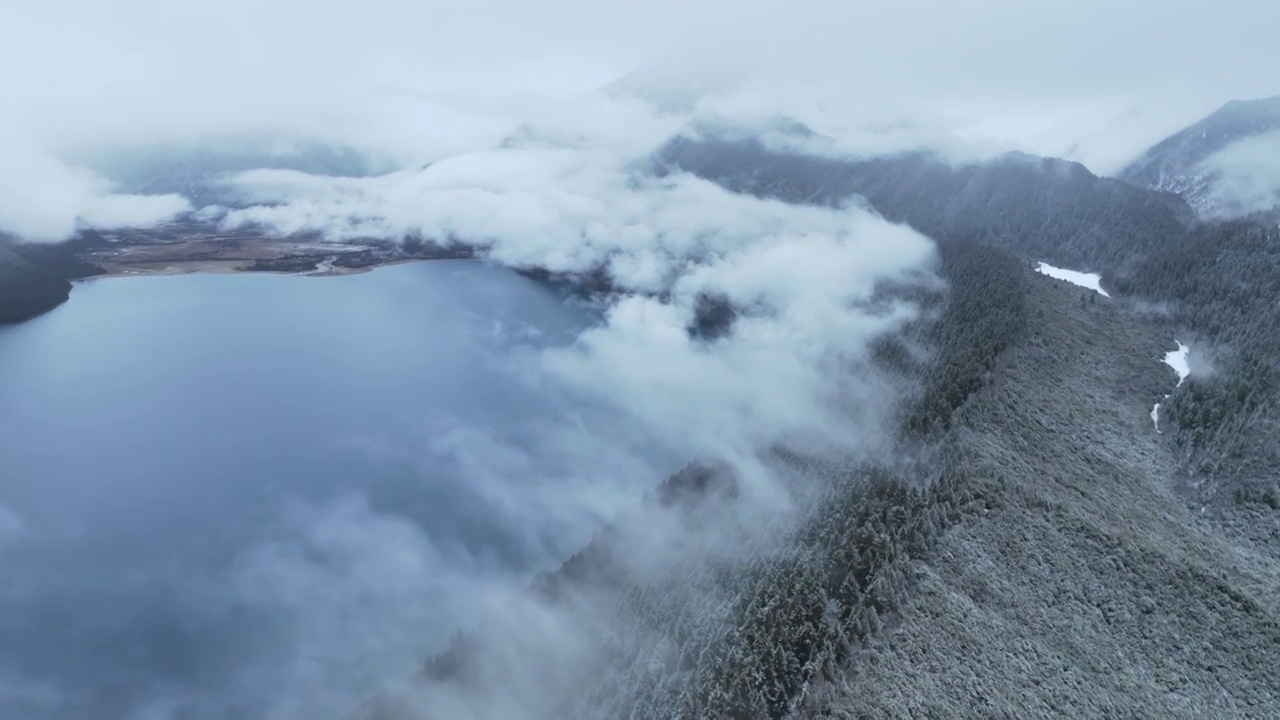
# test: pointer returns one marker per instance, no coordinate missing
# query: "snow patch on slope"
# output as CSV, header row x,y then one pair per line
x,y
1091,281
1177,359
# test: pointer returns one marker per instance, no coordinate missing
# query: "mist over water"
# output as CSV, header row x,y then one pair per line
x,y
261,496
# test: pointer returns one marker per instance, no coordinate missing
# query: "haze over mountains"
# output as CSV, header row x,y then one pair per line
x,y
203,170
239,172
1224,165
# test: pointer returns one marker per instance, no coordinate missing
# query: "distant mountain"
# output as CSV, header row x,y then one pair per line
x,y
676,84
199,170
1225,165
1039,208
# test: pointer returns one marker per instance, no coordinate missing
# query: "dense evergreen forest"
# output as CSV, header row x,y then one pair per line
x,y
1221,282
35,278
27,289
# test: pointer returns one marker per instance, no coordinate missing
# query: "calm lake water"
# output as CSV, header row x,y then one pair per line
x,y
242,496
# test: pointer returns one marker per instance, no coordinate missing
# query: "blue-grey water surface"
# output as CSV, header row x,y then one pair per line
x,y
243,495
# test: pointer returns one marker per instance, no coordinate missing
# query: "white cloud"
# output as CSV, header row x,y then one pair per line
x,y
123,211
579,203
787,369
1246,175
40,197
44,200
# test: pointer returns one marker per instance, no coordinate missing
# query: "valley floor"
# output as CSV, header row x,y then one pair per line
x,y
169,254
1087,581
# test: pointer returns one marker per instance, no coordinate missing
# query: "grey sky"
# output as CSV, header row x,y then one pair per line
x,y
415,82
81,71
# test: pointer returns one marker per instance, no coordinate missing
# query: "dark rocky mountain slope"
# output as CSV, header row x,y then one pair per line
x,y
35,278
1190,162
27,289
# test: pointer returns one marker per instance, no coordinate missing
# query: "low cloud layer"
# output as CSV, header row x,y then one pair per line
x,y
1246,176
791,370
110,212
45,200
577,198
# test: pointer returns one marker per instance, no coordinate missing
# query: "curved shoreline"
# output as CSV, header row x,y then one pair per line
x,y
31,286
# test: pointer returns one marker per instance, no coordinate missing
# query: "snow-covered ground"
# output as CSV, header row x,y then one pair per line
x,y
1084,280
1177,359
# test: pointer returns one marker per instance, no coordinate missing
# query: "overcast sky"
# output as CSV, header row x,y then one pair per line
x,y
81,71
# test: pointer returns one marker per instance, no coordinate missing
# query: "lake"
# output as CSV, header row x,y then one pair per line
x,y
252,495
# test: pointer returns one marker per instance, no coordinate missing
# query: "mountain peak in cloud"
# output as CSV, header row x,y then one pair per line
x,y
676,84
197,169
1225,164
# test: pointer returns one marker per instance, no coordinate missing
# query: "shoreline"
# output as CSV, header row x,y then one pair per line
x,y
200,251
236,267
37,279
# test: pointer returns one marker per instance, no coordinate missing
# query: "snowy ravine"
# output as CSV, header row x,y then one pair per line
x,y
1176,359
1093,281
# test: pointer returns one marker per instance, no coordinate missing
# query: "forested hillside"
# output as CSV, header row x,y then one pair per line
x,y
27,289
35,278
1223,284
1075,582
